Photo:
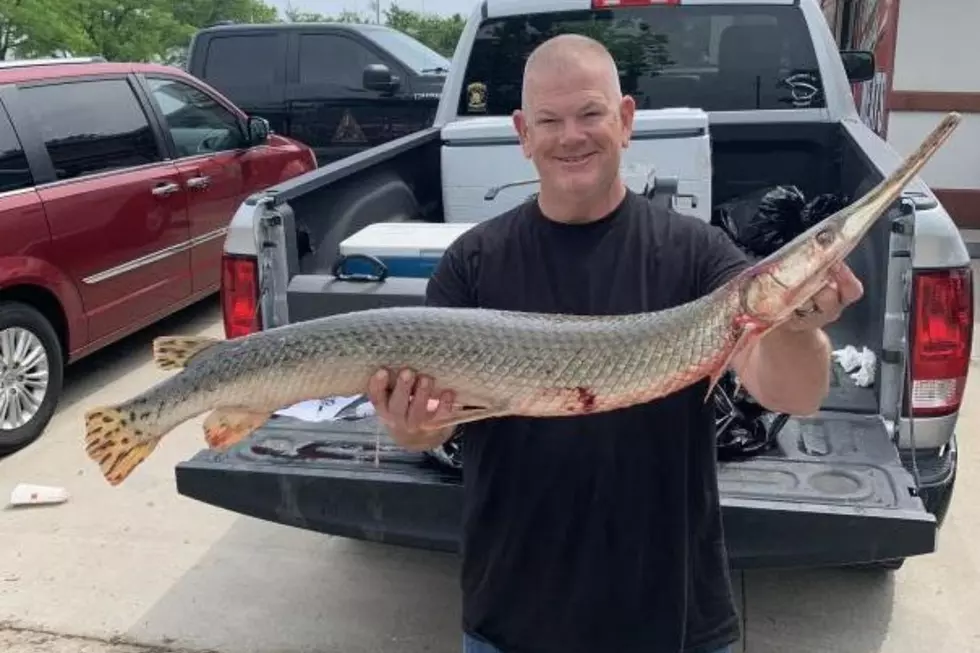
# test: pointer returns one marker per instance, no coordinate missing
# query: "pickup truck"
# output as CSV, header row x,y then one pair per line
x,y
866,482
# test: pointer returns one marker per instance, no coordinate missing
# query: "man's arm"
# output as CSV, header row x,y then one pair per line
x,y
788,369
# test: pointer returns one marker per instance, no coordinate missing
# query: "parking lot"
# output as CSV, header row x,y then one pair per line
x,y
117,570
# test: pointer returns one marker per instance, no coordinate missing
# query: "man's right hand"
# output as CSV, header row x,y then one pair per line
x,y
406,411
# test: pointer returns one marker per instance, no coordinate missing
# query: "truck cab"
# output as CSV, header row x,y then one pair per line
x,y
340,88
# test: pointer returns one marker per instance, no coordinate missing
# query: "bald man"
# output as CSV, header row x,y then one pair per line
x,y
601,533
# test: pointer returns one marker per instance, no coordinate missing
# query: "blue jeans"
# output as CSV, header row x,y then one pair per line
x,y
473,645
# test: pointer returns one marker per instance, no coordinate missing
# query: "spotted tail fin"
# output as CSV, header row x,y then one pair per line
x,y
117,444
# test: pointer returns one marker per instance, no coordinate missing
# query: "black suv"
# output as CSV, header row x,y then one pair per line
x,y
338,87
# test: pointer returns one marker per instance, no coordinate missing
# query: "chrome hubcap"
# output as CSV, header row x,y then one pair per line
x,y
23,377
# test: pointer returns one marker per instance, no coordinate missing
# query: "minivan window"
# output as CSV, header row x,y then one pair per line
x,y
196,121
246,59
414,54
15,173
92,126
716,57
333,59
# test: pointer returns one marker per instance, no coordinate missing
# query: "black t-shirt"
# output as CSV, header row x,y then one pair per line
x,y
600,533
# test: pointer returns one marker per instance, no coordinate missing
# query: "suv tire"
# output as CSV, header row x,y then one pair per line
x,y
25,321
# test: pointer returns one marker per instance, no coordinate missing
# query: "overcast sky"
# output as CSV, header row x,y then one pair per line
x,y
333,7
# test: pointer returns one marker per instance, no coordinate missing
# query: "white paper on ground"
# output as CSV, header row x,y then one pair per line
x,y
859,364
26,494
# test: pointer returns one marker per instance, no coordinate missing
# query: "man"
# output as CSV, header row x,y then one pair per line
x,y
600,533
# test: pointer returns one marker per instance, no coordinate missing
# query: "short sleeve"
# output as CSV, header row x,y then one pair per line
x,y
719,259
450,284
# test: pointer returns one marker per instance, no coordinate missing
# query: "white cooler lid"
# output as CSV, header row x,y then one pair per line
x,y
404,238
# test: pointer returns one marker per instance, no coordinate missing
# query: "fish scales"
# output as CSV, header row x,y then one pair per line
x,y
497,362
539,365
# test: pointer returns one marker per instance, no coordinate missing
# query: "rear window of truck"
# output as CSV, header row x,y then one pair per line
x,y
715,57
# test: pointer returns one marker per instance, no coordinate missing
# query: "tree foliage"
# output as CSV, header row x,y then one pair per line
x,y
160,30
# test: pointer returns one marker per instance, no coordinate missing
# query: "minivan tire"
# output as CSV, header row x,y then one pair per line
x,y
23,316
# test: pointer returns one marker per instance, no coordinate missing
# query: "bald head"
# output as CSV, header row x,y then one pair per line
x,y
565,55
573,124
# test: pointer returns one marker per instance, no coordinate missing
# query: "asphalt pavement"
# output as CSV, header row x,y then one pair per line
x,y
120,570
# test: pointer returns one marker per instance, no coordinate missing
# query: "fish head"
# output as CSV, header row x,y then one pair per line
x,y
785,281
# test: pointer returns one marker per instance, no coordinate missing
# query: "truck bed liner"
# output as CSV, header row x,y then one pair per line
x,y
835,479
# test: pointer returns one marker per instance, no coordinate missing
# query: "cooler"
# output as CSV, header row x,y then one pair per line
x,y
485,172
407,249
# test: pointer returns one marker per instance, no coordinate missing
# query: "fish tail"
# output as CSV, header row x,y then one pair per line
x,y
116,443
174,352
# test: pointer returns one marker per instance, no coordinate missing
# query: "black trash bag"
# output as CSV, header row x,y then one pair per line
x,y
734,216
777,221
763,221
743,427
820,207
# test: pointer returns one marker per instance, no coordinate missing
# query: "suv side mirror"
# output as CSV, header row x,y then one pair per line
x,y
377,77
258,130
858,64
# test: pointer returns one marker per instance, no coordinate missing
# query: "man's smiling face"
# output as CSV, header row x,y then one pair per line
x,y
574,124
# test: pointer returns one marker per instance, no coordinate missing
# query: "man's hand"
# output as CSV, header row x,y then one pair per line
x,y
409,408
826,306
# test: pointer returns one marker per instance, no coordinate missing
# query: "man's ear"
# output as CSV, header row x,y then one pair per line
x,y
627,112
520,126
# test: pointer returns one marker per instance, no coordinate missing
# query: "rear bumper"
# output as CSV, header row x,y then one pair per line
x,y
777,511
937,475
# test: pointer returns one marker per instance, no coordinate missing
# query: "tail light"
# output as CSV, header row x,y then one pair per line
x,y
239,295
942,338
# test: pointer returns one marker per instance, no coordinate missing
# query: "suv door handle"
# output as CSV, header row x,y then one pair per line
x,y
162,190
199,182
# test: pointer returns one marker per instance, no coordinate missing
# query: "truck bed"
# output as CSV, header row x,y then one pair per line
x,y
834,491
816,157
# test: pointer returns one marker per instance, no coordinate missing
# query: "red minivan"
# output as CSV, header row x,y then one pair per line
x,y
117,183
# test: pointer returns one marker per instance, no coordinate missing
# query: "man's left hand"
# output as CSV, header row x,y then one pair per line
x,y
842,290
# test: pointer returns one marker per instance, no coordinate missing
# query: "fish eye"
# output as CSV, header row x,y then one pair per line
x,y
825,237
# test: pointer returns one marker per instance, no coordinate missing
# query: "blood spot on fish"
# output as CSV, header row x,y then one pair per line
x,y
586,399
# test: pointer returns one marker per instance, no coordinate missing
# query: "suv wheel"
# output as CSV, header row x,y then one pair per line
x,y
31,374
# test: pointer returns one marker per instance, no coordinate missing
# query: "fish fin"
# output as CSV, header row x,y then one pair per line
x,y
174,352
466,414
751,333
115,443
225,427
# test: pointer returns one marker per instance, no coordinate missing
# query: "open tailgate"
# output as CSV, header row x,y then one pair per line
x,y
833,493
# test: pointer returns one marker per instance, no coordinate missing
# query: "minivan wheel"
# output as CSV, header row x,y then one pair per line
x,y
31,374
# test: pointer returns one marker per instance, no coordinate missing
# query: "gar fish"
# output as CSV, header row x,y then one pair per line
x,y
497,362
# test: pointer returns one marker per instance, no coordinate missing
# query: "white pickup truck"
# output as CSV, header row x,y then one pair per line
x,y
734,96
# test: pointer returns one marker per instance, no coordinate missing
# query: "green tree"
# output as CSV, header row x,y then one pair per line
x,y
441,33
38,28
126,30
161,30
438,32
